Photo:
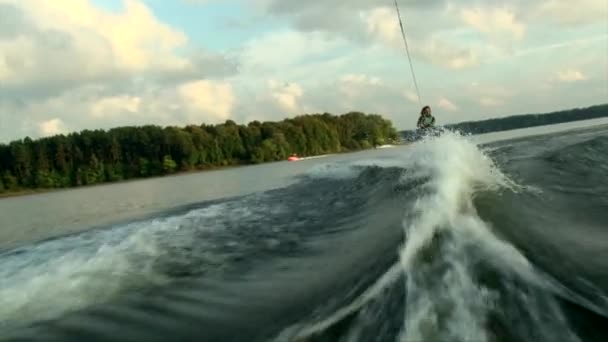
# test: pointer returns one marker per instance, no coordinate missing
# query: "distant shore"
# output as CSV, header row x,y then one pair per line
x,y
92,157
27,192
127,154
514,122
30,192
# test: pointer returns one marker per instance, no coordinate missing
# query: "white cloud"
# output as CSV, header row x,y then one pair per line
x,y
368,24
138,40
115,105
494,22
500,26
359,79
383,25
59,44
354,85
192,102
207,100
69,64
51,127
276,54
411,96
446,55
95,68
446,104
286,96
492,90
343,54
571,75
271,99
566,12
336,16
491,102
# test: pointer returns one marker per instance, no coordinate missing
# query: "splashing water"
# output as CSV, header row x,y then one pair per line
x,y
445,301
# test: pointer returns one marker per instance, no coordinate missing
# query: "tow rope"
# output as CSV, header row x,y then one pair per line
x,y
407,50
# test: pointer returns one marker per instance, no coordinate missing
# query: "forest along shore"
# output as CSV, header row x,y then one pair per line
x,y
122,154
127,153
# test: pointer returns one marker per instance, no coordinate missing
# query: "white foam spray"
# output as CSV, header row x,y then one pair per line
x,y
333,171
445,241
444,302
54,277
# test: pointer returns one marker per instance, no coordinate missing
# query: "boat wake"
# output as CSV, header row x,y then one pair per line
x,y
435,243
456,280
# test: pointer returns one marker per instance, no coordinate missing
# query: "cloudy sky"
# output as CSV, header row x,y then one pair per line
x,y
68,65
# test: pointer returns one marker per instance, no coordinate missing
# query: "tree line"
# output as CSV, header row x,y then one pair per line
x,y
521,121
99,156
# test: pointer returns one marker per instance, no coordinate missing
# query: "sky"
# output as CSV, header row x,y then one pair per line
x,y
69,65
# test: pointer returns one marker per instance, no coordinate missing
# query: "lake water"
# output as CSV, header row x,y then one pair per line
x,y
41,216
496,237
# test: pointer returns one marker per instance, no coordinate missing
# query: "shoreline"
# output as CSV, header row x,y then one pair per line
x,y
29,192
32,192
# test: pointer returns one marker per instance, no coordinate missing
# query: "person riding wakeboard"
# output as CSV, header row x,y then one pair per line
x,y
426,120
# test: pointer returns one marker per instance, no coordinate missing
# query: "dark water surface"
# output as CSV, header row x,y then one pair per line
x,y
444,240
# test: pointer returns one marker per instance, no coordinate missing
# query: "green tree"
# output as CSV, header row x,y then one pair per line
x,y
10,181
97,156
22,162
169,164
42,170
94,172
